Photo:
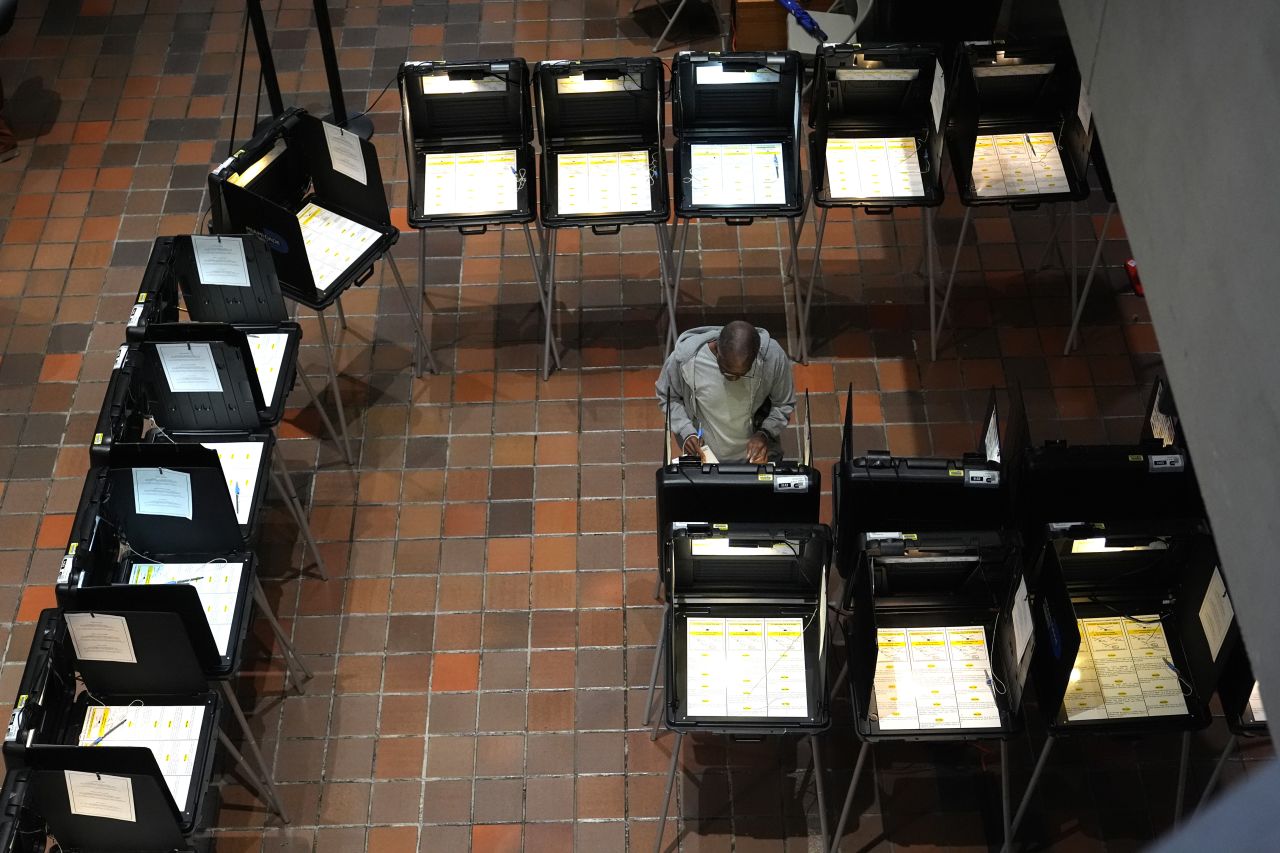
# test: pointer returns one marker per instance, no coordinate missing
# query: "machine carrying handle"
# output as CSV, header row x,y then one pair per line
x,y
877,211
364,276
739,221
472,230
605,230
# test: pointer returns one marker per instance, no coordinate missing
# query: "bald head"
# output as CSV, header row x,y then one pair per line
x,y
737,347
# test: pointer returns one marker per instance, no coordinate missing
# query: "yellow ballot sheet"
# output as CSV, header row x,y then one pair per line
x,y
743,174
745,667
171,732
333,243
217,585
934,678
1123,670
241,463
887,167
1014,164
472,182
604,182
268,349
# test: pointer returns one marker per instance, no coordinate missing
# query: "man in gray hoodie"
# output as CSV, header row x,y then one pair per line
x,y
728,388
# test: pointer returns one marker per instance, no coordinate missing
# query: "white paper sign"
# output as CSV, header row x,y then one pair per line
x,y
938,96
100,795
101,637
1216,613
1083,109
1022,626
189,368
221,261
345,153
162,491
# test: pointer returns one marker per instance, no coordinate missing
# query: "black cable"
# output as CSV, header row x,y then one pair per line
x,y
235,112
379,98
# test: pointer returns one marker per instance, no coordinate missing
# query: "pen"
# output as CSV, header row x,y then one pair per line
x,y
185,580
103,736
237,498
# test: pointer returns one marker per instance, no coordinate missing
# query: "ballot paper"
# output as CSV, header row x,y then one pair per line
x,y
221,261
1123,670
241,463
881,167
604,182
746,667
747,174
217,584
934,678
162,491
345,153
1255,713
268,349
474,182
100,795
333,243
189,368
1014,164
101,637
171,732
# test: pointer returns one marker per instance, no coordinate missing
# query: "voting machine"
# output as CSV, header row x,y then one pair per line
x,y
1018,129
601,126
876,126
313,192
21,829
736,118
124,763
217,279
748,628
151,553
468,133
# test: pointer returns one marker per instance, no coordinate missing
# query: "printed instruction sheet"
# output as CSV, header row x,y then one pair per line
x,y
886,167
1013,164
217,584
744,175
474,182
333,243
934,678
745,667
171,732
604,182
1123,670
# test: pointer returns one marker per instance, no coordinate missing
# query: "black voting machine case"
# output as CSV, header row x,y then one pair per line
x,y
263,186
877,91
1017,88
466,108
750,572
738,99
598,106
45,737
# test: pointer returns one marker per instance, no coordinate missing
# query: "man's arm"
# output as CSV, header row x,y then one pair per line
x,y
782,393
671,388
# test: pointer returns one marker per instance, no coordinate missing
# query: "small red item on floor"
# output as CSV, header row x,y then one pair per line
x,y
1131,267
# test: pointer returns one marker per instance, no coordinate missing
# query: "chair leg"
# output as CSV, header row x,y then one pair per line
x,y
266,790
284,483
848,798
291,656
343,445
657,662
671,782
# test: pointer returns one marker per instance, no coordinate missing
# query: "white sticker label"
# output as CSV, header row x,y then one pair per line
x,y
876,537
135,314
101,637
124,350
100,795
15,719
1159,462
1216,613
791,483
982,478
64,573
345,153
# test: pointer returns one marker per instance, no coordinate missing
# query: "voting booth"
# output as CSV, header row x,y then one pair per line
x,y
875,140
125,764
468,133
1133,623
1018,133
935,612
736,118
600,122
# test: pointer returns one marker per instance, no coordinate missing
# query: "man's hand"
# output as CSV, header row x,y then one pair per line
x,y
692,446
758,448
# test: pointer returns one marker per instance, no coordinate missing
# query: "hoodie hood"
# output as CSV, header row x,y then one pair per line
x,y
688,344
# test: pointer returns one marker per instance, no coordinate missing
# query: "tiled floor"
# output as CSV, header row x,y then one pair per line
x,y
483,649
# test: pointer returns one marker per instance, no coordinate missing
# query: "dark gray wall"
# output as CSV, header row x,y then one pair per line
x,y
1186,97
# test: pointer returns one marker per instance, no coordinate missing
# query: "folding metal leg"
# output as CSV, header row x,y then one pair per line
x,y
839,682
671,782
331,359
951,279
819,789
342,315
1183,762
673,293
804,296
671,22
419,321
422,290
291,658
1077,308
1217,773
1027,795
285,484
266,790
1006,813
929,237
344,446
657,662
268,786
549,348
848,799
540,274
669,297
804,216
794,267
